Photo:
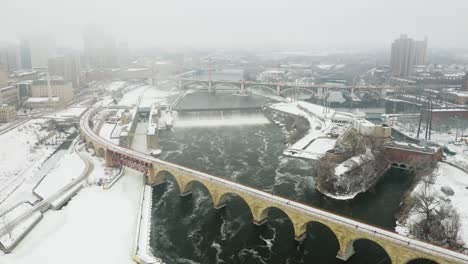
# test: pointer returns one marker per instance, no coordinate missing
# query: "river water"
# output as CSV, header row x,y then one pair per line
x,y
189,230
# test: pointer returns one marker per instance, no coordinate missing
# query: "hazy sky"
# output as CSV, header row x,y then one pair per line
x,y
245,23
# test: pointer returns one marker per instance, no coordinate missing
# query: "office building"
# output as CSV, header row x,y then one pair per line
x,y
25,55
53,88
24,90
10,57
7,113
100,49
405,53
68,67
36,51
420,52
3,76
9,95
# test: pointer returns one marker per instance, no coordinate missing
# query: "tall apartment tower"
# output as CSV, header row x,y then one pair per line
x,y
405,53
420,52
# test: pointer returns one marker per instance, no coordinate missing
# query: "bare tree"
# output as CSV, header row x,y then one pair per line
x,y
440,223
427,201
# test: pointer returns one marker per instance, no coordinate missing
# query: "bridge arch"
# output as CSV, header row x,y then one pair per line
x,y
216,85
347,248
320,241
186,85
299,226
291,89
262,87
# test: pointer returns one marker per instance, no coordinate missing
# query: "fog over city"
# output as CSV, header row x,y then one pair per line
x,y
242,23
234,132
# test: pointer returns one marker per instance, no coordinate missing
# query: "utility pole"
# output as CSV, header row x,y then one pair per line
x,y
420,121
427,119
430,120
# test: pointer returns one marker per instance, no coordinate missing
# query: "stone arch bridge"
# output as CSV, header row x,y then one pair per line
x,y
400,249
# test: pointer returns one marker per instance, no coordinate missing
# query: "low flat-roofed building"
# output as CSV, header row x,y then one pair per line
x,y
58,88
9,95
7,113
460,98
42,102
367,128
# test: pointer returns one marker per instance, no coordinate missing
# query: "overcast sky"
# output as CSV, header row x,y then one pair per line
x,y
243,23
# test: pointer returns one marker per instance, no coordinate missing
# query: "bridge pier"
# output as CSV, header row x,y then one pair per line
x,y
346,249
259,222
278,89
242,89
300,229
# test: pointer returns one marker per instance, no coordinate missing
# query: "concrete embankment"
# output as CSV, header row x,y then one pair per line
x,y
141,248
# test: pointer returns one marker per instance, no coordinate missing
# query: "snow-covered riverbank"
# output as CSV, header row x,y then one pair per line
x,y
450,178
317,141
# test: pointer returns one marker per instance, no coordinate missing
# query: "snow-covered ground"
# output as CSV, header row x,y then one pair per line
x,y
68,169
115,86
10,238
153,95
97,225
110,132
456,179
132,97
446,139
21,157
316,142
67,113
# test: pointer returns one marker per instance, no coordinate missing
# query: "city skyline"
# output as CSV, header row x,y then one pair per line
x,y
338,24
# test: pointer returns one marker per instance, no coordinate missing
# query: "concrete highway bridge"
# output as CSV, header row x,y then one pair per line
x,y
276,88
400,249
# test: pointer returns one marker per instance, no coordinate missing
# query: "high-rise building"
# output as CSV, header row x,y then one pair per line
x,y
9,57
465,82
67,66
36,51
420,52
100,49
405,53
25,55
3,76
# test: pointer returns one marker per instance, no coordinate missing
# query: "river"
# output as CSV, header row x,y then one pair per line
x,y
189,230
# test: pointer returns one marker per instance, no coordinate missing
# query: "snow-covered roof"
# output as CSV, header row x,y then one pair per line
x,y
42,99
